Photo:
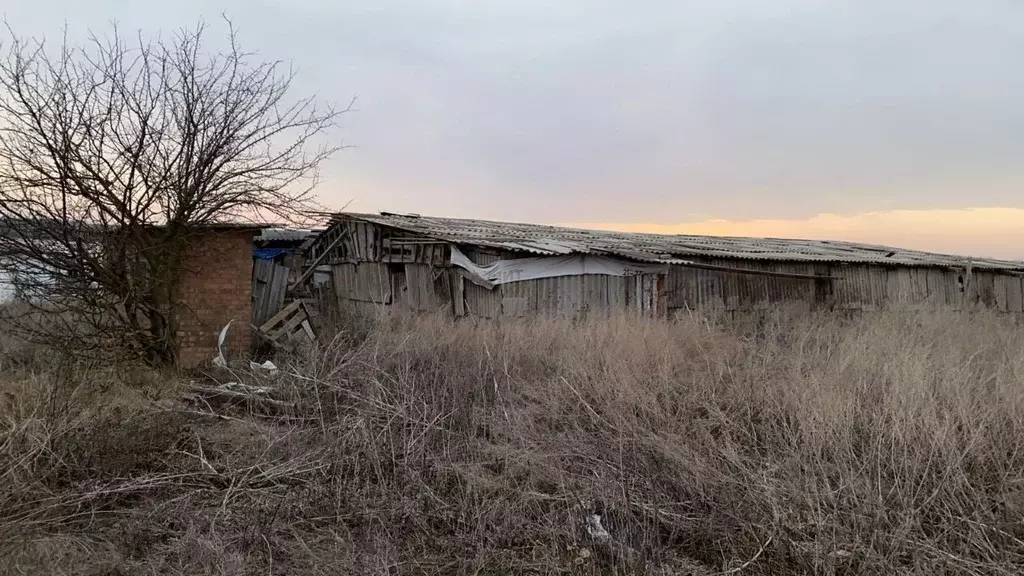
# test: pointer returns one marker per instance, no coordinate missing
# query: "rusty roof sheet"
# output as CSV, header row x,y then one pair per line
x,y
543,239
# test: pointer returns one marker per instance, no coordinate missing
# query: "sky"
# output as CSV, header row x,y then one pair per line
x,y
897,123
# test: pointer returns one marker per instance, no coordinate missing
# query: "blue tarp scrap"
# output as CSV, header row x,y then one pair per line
x,y
269,253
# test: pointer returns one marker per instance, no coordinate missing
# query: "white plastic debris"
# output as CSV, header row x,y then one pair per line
x,y
595,529
219,360
267,365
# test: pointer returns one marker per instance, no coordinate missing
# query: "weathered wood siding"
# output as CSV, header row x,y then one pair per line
x,y
386,267
480,301
695,288
363,282
269,284
852,287
424,288
365,242
584,295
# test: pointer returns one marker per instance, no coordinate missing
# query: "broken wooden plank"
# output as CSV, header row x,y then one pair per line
x,y
280,316
288,326
458,295
311,267
308,330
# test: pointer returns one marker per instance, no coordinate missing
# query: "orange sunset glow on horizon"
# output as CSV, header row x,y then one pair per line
x,y
988,232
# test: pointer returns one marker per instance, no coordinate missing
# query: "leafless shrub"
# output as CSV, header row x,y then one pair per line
x,y
112,153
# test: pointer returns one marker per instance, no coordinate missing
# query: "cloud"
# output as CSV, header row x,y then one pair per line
x,y
992,232
652,111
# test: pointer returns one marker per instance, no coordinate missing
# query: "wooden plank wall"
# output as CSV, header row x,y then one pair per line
x,y
857,287
422,288
269,284
366,242
426,289
518,299
480,301
984,289
362,242
423,283
363,282
561,296
575,296
1014,294
695,288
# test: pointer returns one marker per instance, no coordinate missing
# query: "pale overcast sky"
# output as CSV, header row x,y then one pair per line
x,y
868,120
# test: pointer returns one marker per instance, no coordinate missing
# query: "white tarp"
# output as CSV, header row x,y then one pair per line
x,y
519,269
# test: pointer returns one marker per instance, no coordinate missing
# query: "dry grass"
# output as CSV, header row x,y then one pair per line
x,y
883,445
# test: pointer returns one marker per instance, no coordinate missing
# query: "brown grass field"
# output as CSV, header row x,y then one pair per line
x,y
886,444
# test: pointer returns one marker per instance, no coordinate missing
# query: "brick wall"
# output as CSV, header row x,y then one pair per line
x,y
216,287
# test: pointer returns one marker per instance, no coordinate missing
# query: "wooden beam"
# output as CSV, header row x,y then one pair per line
x,y
312,266
308,329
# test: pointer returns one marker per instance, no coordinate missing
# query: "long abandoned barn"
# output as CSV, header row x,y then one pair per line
x,y
267,278
492,269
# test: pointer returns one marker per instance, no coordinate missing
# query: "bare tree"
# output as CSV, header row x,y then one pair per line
x,y
113,152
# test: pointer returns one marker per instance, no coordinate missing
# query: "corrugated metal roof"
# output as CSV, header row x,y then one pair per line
x,y
287,234
542,239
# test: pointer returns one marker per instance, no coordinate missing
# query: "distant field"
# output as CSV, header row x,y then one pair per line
x,y
888,444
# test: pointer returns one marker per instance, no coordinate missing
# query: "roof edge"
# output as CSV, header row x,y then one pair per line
x,y
688,245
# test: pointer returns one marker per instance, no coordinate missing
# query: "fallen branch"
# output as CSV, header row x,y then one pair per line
x,y
253,398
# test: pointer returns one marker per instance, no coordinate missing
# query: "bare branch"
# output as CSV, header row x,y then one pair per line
x,y
112,151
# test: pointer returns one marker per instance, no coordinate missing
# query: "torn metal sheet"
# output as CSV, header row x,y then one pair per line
x,y
520,269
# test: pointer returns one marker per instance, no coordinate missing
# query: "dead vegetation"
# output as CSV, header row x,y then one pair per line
x,y
118,155
882,445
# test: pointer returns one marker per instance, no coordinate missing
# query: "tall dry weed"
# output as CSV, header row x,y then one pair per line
x,y
821,444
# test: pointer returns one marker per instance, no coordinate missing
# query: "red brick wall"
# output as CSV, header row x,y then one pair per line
x,y
216,287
